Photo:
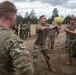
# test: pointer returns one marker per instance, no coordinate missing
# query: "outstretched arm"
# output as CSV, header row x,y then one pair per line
x,y
47,28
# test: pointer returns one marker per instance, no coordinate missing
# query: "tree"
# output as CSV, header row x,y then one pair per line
x,y
54,14
33,18
29,17
26,17
26,14
66,19
49,20
19,18
32,14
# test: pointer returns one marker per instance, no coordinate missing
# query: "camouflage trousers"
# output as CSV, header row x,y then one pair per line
x,y
66,43
70,50
44,50
50,43
29,33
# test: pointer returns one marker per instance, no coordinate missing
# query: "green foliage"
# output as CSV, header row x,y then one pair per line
x,y
54,14
28,17
31,17
49,20
67,18
19,18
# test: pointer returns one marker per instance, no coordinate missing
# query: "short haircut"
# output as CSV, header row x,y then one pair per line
x,y
41,17
7,8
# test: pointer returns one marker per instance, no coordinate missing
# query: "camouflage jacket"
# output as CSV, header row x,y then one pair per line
x,y
14,58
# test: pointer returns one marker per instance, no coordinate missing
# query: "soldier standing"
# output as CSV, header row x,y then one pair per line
x,y
66,39
39,45
14,58
71,35
29,29
53,33
20,31
16,29
24,32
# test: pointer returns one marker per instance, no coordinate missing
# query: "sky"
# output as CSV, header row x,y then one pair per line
x,y
45,7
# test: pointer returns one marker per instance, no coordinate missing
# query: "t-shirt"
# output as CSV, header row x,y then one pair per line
x,y
41,35
72,28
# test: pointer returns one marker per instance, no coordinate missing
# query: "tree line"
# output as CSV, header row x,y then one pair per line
x,y
31,17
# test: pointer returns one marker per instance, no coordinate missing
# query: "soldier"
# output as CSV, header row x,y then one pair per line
x,y
24,31
71,35
39,45
66,39
53,33
14,58
15,28
29,30
20,31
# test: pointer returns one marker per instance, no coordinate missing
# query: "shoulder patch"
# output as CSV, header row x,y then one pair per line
x,y
22,46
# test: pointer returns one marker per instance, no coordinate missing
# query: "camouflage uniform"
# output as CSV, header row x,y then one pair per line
x,y
70,39
14,58
21,31
40,45
24,32
29,30
16,29
51,38
66,41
